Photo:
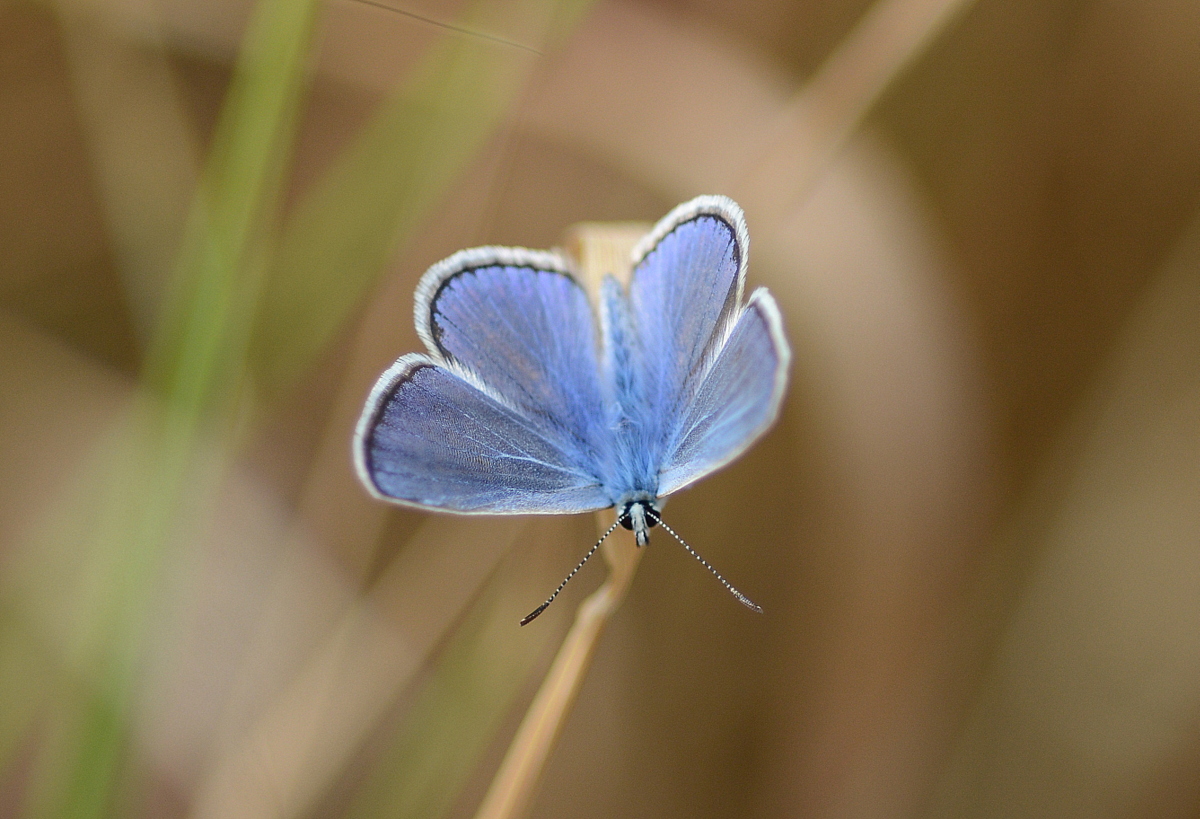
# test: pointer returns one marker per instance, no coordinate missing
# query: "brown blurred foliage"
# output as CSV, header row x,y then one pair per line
x,y
975,530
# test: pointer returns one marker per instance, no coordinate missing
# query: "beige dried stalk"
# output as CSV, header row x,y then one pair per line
x,y
598,249
821,116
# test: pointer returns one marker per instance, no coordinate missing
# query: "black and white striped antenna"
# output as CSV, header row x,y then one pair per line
x,y
729,587
743,599
529,618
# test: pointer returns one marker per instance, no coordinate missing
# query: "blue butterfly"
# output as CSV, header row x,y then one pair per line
x,y
521,406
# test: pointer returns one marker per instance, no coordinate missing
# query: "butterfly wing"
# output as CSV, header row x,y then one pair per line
x,y
503,415
735,402
685,286
430,438
713,371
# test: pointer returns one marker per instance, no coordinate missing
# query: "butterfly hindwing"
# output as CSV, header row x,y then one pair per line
x,y
429,437
735,402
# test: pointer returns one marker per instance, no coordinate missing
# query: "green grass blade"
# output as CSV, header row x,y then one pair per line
x,y
195,367
340,237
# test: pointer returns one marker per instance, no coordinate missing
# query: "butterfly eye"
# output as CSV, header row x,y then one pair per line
x,y
627,519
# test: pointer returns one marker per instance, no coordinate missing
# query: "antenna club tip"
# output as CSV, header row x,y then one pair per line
x,y
529,618
747,602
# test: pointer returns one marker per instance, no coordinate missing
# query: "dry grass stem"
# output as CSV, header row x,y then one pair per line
x,y
599,249
514,783
820,117
829,108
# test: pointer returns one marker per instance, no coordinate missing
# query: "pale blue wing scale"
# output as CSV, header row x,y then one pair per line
x,y
523,326
735,401
429,437
685,288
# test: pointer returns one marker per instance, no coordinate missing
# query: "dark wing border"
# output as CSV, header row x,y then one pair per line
x,y
723,208
439,275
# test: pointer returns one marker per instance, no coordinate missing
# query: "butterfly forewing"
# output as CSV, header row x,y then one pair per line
x,y
682,293
430,438
527,335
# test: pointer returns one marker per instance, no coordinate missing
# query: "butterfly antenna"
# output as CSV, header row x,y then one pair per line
x,y
533,614
743,599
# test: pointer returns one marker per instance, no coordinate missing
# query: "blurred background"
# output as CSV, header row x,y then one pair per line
x,y
975,529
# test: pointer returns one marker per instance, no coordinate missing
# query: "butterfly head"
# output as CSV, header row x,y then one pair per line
x,y
639,516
